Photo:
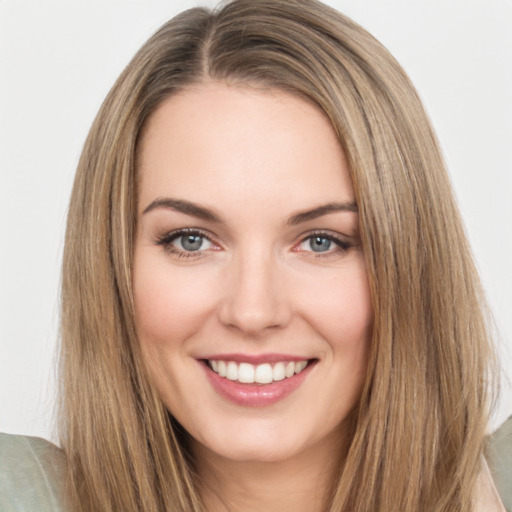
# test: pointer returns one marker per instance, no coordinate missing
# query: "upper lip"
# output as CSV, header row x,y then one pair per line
x,y
256,358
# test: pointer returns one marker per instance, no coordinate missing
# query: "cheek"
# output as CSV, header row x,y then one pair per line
x,y
344,319
342,311
169,305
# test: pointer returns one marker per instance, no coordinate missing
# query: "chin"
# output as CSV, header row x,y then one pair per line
x,y
253,450
250,440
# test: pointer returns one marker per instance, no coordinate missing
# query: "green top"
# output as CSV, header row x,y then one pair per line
x,y
32,471
499,455
31,475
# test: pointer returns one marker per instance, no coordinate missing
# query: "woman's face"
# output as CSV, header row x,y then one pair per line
x,y
251,295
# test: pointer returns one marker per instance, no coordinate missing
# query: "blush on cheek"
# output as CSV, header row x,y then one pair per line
x,y
347,318
169,311
161,325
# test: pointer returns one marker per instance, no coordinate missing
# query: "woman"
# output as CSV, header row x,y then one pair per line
x,y
268,299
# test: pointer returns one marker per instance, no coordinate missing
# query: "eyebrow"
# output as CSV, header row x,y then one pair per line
x,y
189,208
183,206
325,209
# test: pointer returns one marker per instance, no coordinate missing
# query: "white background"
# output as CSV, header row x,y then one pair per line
x,y
58,61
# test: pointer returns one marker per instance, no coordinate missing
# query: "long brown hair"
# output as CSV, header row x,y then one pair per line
x,y
418,431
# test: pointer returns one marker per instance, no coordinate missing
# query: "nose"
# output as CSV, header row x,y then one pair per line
x,y
255,298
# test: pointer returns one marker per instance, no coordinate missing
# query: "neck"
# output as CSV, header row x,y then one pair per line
x,y
302,483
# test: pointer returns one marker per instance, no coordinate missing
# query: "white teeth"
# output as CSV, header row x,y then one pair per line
x,y
261,374
221,368
278,372
232,371
246,373
289,370
300,366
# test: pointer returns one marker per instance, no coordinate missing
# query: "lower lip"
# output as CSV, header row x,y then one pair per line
x,y
256,395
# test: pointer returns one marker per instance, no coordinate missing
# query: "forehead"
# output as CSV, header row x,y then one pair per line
x,y
241,142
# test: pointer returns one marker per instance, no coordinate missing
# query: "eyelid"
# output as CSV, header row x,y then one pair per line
x,y
175,233
167,238
342,243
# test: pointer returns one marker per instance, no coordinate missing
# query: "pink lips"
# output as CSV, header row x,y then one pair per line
x,y
256,395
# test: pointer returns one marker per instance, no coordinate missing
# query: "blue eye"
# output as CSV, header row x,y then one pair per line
x,y
185,242
324,243
191,242
319,243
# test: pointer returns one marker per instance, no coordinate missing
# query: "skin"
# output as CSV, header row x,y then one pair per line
x,y
256,286
487,497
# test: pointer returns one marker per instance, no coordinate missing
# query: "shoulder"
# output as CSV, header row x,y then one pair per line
x,y
31,475
487,497
500,461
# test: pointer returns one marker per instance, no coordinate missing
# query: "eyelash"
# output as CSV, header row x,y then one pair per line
x,y
166,240
341,244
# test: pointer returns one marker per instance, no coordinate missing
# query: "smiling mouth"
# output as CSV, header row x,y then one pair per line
x,y
266,373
